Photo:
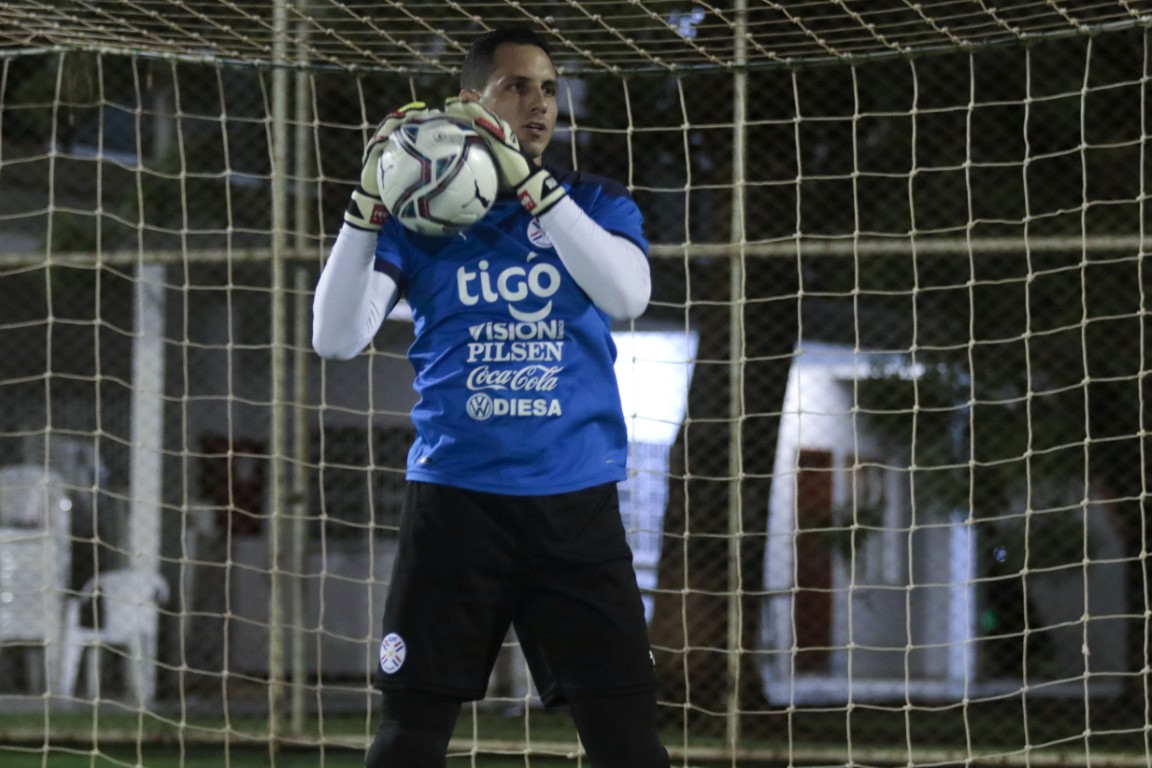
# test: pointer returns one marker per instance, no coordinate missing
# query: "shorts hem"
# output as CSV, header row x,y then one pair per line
x,y
616,690
455,693
551,698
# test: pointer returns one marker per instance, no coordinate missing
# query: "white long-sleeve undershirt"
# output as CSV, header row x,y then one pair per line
x,y
612,270
352,298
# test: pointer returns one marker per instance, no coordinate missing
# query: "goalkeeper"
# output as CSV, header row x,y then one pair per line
x,y
511,516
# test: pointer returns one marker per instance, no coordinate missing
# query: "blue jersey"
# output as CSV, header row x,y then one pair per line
x,y
514,364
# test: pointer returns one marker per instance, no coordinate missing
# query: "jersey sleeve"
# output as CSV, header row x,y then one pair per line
x,y
389,254
610,205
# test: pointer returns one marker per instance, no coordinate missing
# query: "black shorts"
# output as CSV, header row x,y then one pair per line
x,y
557,568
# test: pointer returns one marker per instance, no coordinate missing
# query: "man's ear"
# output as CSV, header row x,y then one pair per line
x,y
469,94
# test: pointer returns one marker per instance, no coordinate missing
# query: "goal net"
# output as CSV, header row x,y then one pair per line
x,y
886,414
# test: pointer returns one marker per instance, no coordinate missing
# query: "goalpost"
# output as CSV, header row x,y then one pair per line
x,y
886,410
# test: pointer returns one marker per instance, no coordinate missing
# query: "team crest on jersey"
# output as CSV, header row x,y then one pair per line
x,y
537,236
393,650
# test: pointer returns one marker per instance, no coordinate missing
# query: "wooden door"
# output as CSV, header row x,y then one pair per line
x,y
812,606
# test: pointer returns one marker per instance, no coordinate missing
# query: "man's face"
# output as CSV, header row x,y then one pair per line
x,y
522,91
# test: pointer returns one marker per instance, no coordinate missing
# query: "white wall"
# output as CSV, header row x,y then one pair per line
x,y
904,607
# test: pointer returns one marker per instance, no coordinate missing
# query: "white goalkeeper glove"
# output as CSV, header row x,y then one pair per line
x,y
366,210
535,188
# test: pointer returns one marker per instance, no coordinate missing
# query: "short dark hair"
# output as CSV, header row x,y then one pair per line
x,y
478,62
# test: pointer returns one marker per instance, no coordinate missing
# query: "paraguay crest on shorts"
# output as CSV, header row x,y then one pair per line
x,y
392,653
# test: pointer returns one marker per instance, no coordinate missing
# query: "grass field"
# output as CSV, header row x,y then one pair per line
x,y
1002,732
88,739
244,758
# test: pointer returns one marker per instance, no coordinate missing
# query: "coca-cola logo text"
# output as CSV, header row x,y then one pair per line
x,y
530,378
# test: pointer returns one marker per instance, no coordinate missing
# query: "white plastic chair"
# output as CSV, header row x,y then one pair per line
x,y
35,566
127,616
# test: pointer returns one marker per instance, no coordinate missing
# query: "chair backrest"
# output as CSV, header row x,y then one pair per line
x,y
33,497
35,500
31,593
128,601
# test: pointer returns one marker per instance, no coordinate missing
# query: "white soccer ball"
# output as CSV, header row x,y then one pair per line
x,y
437,176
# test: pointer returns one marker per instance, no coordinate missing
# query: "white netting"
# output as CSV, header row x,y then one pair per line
x,y
886,409
661,35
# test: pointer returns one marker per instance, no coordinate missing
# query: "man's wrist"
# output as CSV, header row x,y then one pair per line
x,y
539,192
365,211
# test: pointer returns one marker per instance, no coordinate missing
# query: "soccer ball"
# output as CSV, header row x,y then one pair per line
x,y
437,176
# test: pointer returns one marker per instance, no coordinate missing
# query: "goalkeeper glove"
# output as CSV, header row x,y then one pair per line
x,y
366,210
535,188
